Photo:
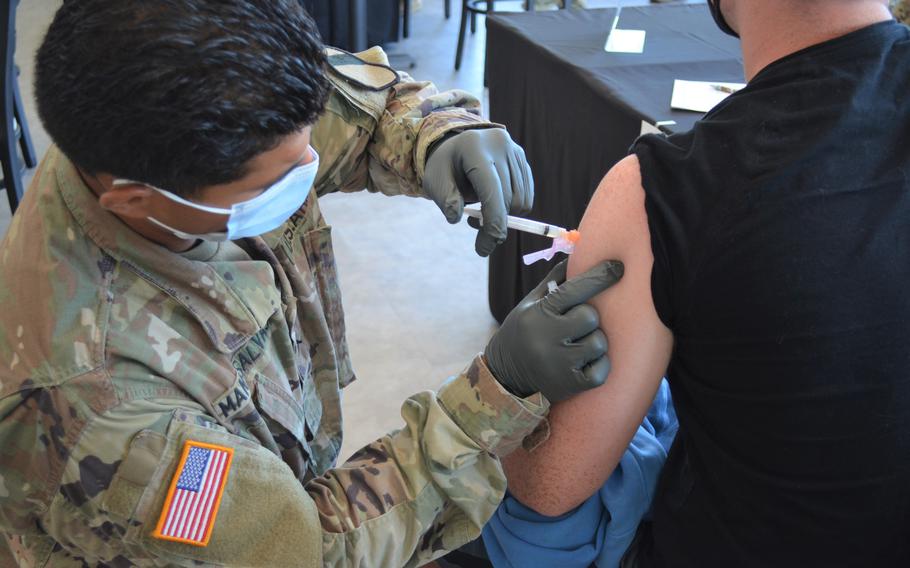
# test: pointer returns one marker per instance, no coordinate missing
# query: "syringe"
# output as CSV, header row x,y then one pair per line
x,y
563,240
525,225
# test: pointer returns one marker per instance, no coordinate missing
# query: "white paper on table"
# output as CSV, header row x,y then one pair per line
x,y
648,128
626,41
700,96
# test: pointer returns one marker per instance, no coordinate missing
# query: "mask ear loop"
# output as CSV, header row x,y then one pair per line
x,y
216,237
175,198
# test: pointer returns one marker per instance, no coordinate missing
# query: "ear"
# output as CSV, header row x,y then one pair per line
x,y
133,200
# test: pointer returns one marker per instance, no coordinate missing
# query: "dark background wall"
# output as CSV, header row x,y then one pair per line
x,y
383,19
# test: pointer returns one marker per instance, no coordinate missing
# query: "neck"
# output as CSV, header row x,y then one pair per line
x,y
776,28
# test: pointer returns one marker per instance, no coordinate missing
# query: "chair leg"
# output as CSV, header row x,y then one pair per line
x,y
448,9
25,137
9,151
406,31
333,18
461,33
12,173
473,23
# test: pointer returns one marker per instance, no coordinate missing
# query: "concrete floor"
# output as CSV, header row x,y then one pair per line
x,y
412,320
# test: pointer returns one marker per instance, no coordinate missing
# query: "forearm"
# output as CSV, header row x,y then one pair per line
x,y
561,474
416,118
430,486
380,139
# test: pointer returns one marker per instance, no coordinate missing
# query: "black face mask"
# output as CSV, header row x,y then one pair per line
x,y
719,18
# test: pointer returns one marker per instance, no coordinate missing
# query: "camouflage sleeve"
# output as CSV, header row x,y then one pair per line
x,y
428,488
379,138
408,497
901,10
122,475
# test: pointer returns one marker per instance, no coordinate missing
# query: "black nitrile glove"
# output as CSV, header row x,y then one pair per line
x,y
480,165
551,342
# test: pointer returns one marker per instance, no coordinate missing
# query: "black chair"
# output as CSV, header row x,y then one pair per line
x,y
14,128
406,18
406,10
470,9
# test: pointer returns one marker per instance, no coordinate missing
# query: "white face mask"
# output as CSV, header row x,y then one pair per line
x,y
265,212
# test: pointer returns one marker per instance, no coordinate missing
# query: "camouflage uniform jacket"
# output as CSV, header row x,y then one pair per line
x,y
114,352
901,10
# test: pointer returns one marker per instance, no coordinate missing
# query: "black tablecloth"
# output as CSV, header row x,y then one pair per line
x,y
576,109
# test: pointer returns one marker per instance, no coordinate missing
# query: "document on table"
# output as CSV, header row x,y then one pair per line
x,y
701,96
624,41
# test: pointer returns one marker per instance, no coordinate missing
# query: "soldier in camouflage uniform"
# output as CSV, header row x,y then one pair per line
x,y
901,10
123,344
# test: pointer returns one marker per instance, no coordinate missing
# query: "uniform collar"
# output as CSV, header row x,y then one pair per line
x,y
227,317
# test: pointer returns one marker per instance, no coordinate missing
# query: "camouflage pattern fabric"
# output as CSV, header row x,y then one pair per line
x,y
901,10
379,138
114,351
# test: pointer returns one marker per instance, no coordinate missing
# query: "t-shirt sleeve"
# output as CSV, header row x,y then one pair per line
x,y
669,239
681,207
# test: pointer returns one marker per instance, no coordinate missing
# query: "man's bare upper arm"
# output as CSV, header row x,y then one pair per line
x,y
591,431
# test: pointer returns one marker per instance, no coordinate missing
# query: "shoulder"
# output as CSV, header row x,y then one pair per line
x,y
42,431
616,226
616,212
52,283
125,476
368,69
360,80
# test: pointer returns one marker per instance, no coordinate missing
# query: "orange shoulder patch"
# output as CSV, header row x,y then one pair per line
x,y
194,496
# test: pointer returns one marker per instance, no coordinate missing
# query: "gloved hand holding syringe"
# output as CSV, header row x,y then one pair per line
x,y
563,240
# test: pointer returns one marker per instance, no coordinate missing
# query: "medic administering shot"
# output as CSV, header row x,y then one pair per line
x,y
172,341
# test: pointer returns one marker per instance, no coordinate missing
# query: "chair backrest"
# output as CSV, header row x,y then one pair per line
x,y
11,166
8,47
7,52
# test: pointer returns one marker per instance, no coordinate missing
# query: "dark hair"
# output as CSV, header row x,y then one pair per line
x,y
179,94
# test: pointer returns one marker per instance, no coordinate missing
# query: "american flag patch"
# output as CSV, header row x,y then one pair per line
x,y
192,501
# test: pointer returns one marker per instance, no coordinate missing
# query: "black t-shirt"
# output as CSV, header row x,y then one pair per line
x,y
780,228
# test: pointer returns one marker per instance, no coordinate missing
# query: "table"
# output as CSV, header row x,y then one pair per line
x,y
576,109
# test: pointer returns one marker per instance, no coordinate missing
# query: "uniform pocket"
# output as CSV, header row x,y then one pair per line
x,y
290,424
282,408
134,475
321,258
